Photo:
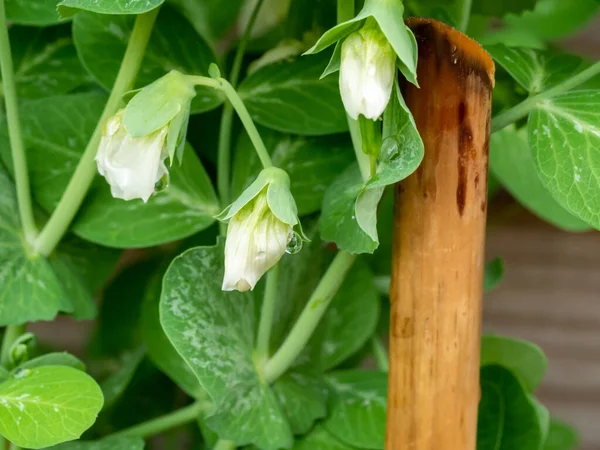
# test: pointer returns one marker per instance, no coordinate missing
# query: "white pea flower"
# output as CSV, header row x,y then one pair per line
x,y
260,230
132,166
367,71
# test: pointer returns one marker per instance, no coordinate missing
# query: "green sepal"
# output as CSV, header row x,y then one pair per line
x,y
390,18
334,62
158,104
177,134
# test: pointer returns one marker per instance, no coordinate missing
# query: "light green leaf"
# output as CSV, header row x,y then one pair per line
x,y
512,164
67,8
508,415
61,127
320,439
213,331
117,443
289,97
365,211
525,359
338,219
160,350
114,386
32,12
312,164
564,136
493,274
30,290
48,405
303,398
52,359
45,61
101,41
561,436
535,70
357,408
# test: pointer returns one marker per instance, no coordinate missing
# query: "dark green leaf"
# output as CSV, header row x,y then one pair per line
x,y
53,359
508,416
513,166
525,359
320,439
493,274
338,221
499,9
214,332
67,8
357,408
564,136
114,386
209,17
118,443
45,406
561,437
311,163
101,41
45,61
289,97
32,12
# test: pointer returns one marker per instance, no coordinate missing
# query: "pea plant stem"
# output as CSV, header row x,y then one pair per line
x,y
11,333
19,157
266,315
82,178
310,316
380,354
168,421
224,148
526,106
465,14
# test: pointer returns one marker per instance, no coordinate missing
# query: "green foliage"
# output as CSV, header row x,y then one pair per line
x,y
32,12
117,443
493,274
69,7
561,437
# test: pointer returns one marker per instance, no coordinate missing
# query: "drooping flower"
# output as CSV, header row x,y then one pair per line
x,y
260,230
367,72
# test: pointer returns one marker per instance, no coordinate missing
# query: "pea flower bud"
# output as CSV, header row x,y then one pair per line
x,y
260,230
367,71
136,140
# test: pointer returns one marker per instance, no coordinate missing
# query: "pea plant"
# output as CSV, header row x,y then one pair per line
x,y
218,175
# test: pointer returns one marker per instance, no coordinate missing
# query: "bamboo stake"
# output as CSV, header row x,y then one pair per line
x,y
438,253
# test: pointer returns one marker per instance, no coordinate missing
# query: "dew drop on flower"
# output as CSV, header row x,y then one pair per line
x,y
162,184
295,244
390,149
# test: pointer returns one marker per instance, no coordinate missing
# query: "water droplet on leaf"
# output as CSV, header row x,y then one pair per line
x,y
22,373
295,244
390,149
162,184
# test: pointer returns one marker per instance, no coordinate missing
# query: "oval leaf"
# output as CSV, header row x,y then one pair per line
x,y
67,8
320,439
48,405
32,12
117,443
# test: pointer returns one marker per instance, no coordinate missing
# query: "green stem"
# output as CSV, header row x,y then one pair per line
x,y
380,354
164,423
266,315
82,178
11,333
224,445
465,14
525,107
310,316
14,132
364,162
224,150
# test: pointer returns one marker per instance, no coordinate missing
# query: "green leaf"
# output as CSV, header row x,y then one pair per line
x,y
32,12
525,359
512,164
499,9
30,290
213,331
357,408
508,416
312,164
114,386
67,8
493,274
561,437
303,398
45,61
101,41
209,17
117,443
565,140
535,70
320,439
160,350
48,405
56,131
289,97
52,359
338,219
